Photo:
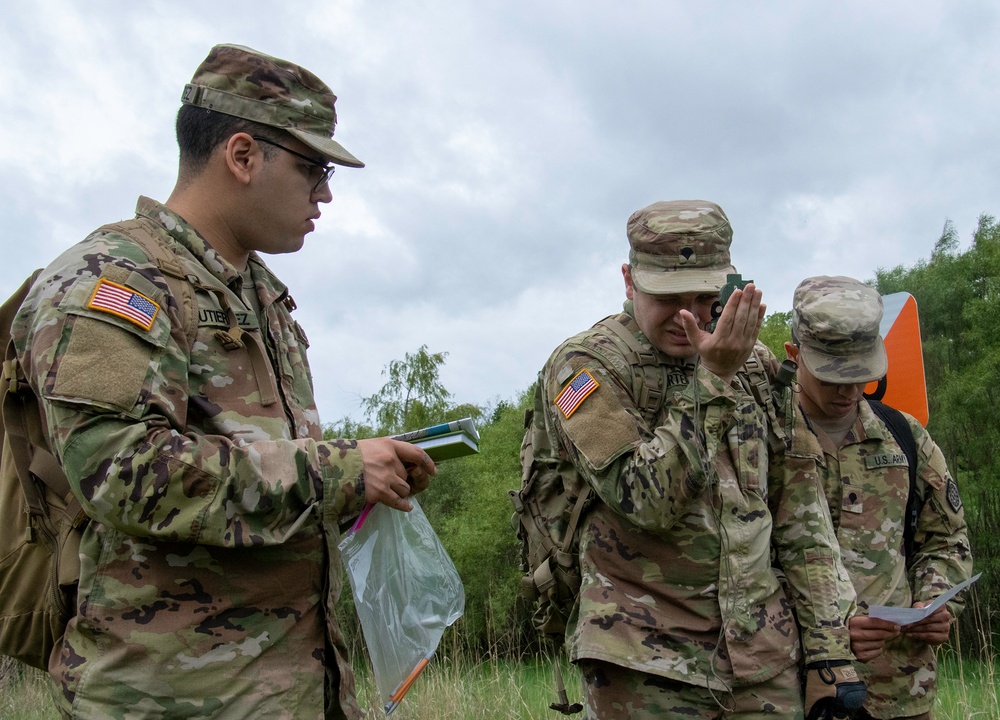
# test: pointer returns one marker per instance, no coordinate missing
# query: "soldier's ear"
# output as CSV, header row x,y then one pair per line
x,y
243,156
792,351
627,276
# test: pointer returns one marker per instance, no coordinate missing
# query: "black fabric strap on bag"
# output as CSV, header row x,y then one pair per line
x,y
901,431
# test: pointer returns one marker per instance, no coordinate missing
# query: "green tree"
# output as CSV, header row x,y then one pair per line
x,y
347,427
469,505
467,500
775,331
957,293
411,398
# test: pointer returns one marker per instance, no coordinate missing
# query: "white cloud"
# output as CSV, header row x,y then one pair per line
x,y
507,143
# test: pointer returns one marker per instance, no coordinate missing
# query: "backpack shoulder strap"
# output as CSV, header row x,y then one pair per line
x,y
648,375
903,433
760,384
139,231
12,304
773,394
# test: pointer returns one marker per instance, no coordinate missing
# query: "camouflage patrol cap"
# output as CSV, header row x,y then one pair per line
x,y
239,81
835,321
679,246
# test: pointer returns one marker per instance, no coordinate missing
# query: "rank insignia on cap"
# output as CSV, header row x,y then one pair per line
x,y
573,395
119,300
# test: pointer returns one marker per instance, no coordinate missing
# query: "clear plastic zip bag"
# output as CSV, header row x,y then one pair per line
x,y
406,592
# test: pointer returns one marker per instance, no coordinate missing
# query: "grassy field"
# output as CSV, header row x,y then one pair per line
x,y
24,693
967,690
506,690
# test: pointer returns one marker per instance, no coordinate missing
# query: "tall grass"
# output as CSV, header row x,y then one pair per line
x,y
464,688
968,688
458,686
24,693
488,689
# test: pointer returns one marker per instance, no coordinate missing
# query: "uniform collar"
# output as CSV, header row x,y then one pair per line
x,y
868,426
270,287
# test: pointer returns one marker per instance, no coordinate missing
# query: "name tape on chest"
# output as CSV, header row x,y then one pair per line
x,y
123,302
208,317
885,460
573,395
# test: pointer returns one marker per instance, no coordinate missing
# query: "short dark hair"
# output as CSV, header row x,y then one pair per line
x,y
200,131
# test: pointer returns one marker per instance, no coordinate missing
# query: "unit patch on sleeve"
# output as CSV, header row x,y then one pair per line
x,y
954,499
573,395
119,300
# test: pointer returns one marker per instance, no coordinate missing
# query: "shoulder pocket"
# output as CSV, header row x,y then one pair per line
x,y
126,300
113,330
599,426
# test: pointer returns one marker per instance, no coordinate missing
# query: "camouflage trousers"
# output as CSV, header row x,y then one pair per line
x,y
863,715
612,692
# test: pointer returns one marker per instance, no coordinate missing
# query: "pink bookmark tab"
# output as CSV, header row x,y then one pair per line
x,y
361,519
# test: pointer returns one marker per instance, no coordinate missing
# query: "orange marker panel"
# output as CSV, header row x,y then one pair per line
x,y
905,386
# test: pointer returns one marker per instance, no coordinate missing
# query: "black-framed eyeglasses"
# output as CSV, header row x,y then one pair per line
x,y
326,169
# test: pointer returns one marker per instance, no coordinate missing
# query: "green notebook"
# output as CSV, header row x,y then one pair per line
x,y
445,441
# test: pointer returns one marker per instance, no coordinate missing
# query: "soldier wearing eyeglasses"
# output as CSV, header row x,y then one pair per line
x,y
179,401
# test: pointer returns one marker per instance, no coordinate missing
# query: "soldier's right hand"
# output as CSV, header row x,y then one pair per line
x,y
393,469
726,349
868,636
934,629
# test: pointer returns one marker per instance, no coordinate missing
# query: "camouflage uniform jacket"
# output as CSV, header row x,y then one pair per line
x,y
210,568
867,484
676,555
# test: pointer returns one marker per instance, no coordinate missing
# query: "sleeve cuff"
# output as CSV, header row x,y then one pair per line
x,y
343,485
711,386
826,644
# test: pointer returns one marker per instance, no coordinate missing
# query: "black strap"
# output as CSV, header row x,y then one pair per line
x,y
903,434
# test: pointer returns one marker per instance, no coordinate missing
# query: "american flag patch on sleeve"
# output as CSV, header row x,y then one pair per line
x,y
573,395
119,300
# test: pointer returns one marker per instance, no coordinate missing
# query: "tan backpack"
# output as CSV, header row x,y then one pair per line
x,y
41,520
554,498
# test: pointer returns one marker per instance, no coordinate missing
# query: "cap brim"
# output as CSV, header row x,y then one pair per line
x,y
673,282
845,369
327,147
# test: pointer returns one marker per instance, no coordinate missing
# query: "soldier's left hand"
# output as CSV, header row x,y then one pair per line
x,y
418,477
726,349
933,629
868,636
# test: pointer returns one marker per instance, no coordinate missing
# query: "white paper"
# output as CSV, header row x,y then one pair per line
x,y
910,615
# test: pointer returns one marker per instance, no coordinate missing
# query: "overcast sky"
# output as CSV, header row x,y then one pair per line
x,y
508,141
